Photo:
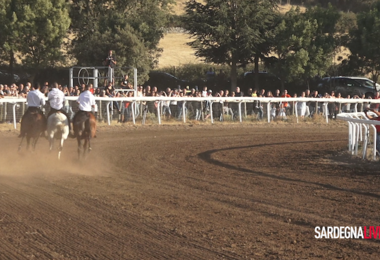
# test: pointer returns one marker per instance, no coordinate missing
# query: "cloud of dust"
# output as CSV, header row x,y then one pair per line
x,y
42,162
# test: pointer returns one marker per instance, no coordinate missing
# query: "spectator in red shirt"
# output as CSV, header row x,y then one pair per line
x,y
91,88
286,105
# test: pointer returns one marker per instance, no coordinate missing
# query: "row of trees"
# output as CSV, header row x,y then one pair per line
x,y
36,34
294,46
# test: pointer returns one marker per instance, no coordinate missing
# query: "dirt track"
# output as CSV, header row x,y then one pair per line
x,y
188,192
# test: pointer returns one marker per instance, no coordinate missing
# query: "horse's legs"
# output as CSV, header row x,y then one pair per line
x,y
89,144
79,146
22,139
60,148
51,144
34,143
27,142
85,145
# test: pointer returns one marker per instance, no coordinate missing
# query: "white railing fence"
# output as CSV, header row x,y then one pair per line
x,y
184,108
359,127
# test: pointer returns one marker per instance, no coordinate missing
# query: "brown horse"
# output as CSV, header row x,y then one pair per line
x,y
32,125
84,124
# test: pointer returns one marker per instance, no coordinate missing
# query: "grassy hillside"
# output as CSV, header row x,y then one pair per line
x,y
176,52
178,8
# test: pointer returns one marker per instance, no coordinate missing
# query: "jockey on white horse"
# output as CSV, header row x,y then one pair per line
x,y
57,100
57,127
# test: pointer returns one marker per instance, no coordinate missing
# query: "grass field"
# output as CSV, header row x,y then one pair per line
x,y
176,52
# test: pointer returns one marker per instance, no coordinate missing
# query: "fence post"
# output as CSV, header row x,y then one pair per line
x,y
71,83
374,142
108,113
353,138
245,109
135,81
365,141
357,138
184,111
95,80
159,112
349,136
14,116
211,113
133,112
268,111
240,117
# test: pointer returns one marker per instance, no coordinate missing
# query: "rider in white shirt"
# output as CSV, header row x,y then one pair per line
x,y
35,99
86,102
57,100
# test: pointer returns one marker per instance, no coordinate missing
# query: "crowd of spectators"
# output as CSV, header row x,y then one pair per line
x,y
196,109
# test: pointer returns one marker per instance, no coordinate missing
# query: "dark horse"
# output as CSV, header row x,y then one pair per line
x,y
84,124
32,125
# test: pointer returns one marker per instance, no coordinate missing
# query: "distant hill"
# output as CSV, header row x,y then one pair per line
x,y
179,8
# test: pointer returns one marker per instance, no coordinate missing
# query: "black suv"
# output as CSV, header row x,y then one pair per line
x,y
348,86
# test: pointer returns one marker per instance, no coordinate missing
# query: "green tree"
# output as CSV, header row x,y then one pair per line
x,y
9,33
34,32
43,26
324,41
364,43
289,56
304,44
132,29
228,32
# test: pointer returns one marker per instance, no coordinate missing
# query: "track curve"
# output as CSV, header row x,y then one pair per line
x,y
188,192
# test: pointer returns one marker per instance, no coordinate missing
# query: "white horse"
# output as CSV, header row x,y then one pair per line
x,y
57,128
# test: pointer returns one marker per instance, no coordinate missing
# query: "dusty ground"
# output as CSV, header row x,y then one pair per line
x,y
188,192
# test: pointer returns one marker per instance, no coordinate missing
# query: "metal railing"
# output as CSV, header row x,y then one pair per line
x,y
156,109
359,127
